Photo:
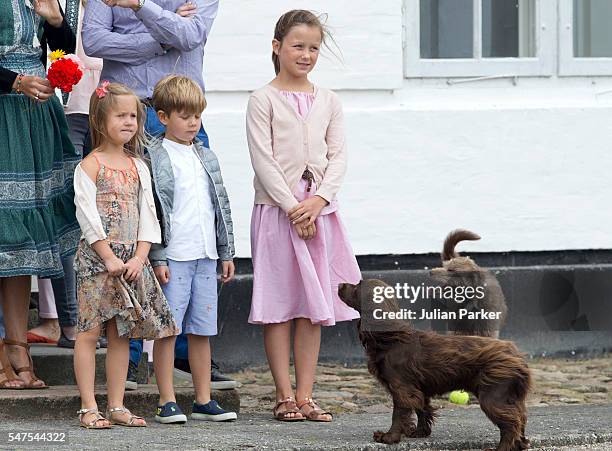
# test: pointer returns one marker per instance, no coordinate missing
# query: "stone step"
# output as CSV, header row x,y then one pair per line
x,y
55,365
62,401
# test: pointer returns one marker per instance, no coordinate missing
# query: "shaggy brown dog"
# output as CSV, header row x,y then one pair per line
x,y
415,365
458,271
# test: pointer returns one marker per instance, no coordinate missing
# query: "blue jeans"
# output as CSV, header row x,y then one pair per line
x,y
2,332
155,128
64,290
180,349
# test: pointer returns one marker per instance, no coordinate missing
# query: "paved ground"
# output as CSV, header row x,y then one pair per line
x,y
462,428
569,409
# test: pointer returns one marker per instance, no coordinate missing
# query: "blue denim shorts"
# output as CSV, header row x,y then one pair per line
x,y
192,295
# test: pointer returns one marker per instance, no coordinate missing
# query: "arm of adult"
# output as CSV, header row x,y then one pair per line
x,y
7,80
170,28
58,35
268,171
30,85
49,10
100,41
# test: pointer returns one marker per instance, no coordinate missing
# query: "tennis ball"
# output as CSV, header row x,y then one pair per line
x,y
459,397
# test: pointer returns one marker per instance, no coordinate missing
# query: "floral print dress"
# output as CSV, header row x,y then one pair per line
x,y
139,308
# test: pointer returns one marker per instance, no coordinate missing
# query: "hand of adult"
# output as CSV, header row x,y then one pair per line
x,y
50,11
187,9
122,3
36,88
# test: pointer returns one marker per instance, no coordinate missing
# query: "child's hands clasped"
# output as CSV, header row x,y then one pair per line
x,y
133,269
307,210
305,232
114,265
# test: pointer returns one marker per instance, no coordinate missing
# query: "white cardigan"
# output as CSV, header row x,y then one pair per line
x,y
87,211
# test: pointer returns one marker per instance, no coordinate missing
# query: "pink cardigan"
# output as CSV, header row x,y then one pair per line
x,y
282,145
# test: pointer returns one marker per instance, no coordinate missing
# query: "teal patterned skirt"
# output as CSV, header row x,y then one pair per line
x,y
37,212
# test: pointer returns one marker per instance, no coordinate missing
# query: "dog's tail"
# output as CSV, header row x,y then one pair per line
x,y
448,251
501,362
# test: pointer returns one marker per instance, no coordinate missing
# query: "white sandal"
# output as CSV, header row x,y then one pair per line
x,y
92,424
129,423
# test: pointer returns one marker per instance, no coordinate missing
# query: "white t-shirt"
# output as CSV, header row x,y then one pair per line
x,y
193,215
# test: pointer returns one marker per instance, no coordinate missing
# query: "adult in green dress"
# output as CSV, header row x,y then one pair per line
x,y
37,161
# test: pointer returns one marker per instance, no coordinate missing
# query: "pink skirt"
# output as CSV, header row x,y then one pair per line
x,y
293,278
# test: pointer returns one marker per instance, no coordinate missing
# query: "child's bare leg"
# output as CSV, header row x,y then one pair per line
x,y
163,362
199,362
277,341
85,365
85,371
117,360
306,344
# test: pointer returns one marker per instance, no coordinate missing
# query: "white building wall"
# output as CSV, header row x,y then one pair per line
x,y
524,163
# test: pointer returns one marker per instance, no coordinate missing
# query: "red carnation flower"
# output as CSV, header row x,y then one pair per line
x,y
64,73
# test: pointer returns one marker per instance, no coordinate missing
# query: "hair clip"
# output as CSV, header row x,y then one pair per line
x,y
102,90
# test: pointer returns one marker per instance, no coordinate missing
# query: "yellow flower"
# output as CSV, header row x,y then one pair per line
x,y
56,55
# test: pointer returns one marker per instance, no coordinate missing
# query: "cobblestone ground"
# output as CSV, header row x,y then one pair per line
x,y
353,390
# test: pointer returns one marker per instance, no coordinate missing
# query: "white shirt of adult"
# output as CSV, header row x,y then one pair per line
x,y
193,214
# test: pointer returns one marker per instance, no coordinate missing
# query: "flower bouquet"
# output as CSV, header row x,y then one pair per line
x,y
65,71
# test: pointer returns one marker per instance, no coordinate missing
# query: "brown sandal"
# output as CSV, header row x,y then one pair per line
x,y
93,423
29,368
7,371
290,407
315,411
129,423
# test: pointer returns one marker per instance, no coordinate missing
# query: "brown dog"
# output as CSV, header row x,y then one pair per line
x,y
459,271
415,365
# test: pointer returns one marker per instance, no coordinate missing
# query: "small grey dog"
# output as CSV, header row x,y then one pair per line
x,y
458,271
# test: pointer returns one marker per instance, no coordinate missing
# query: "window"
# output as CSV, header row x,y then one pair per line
x,y
585,46
446,38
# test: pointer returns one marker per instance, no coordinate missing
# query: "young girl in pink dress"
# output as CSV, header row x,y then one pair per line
x,y
299,246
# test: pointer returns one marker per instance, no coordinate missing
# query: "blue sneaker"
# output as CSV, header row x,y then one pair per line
x,y
211,412
170,413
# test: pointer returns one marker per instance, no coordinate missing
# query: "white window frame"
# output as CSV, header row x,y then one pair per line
x,y
543,64
569,65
